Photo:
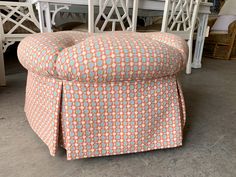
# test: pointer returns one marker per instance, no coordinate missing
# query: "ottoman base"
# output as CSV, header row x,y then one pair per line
x,y
101,119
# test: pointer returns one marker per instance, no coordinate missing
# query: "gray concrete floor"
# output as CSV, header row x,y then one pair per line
x,y
209,148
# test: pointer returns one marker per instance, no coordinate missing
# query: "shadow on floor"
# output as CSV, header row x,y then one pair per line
x,y
12,64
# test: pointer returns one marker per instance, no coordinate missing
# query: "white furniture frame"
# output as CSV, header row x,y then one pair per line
x,y
202,31
16,14
124,5
180,17
46,20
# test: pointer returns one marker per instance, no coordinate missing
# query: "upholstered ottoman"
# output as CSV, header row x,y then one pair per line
x,y
104,94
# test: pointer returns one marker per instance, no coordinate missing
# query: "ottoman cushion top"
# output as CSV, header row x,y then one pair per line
x,y
103,57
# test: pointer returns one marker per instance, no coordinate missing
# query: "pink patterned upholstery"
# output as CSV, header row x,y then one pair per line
x,y
38,53
104,94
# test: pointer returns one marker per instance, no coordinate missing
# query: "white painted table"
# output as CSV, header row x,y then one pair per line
x,y
46,20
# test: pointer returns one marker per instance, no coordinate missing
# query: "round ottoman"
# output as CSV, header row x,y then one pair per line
x,y
104,94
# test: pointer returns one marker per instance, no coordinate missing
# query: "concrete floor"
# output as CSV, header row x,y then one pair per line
x,y
210,138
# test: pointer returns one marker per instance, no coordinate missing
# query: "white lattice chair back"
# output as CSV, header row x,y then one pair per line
x,y
180,18
114,15
17,20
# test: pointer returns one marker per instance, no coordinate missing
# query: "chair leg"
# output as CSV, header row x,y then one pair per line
x,y
91,17
189,62
135,15
2,68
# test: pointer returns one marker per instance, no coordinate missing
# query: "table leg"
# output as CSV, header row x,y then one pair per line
x,y
44,16
201,34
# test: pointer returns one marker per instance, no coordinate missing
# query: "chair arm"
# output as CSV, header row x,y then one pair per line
x,y
232,28
39,52
122,56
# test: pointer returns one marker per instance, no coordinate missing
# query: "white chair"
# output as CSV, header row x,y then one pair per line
x,y
17,20
115,12
180,18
